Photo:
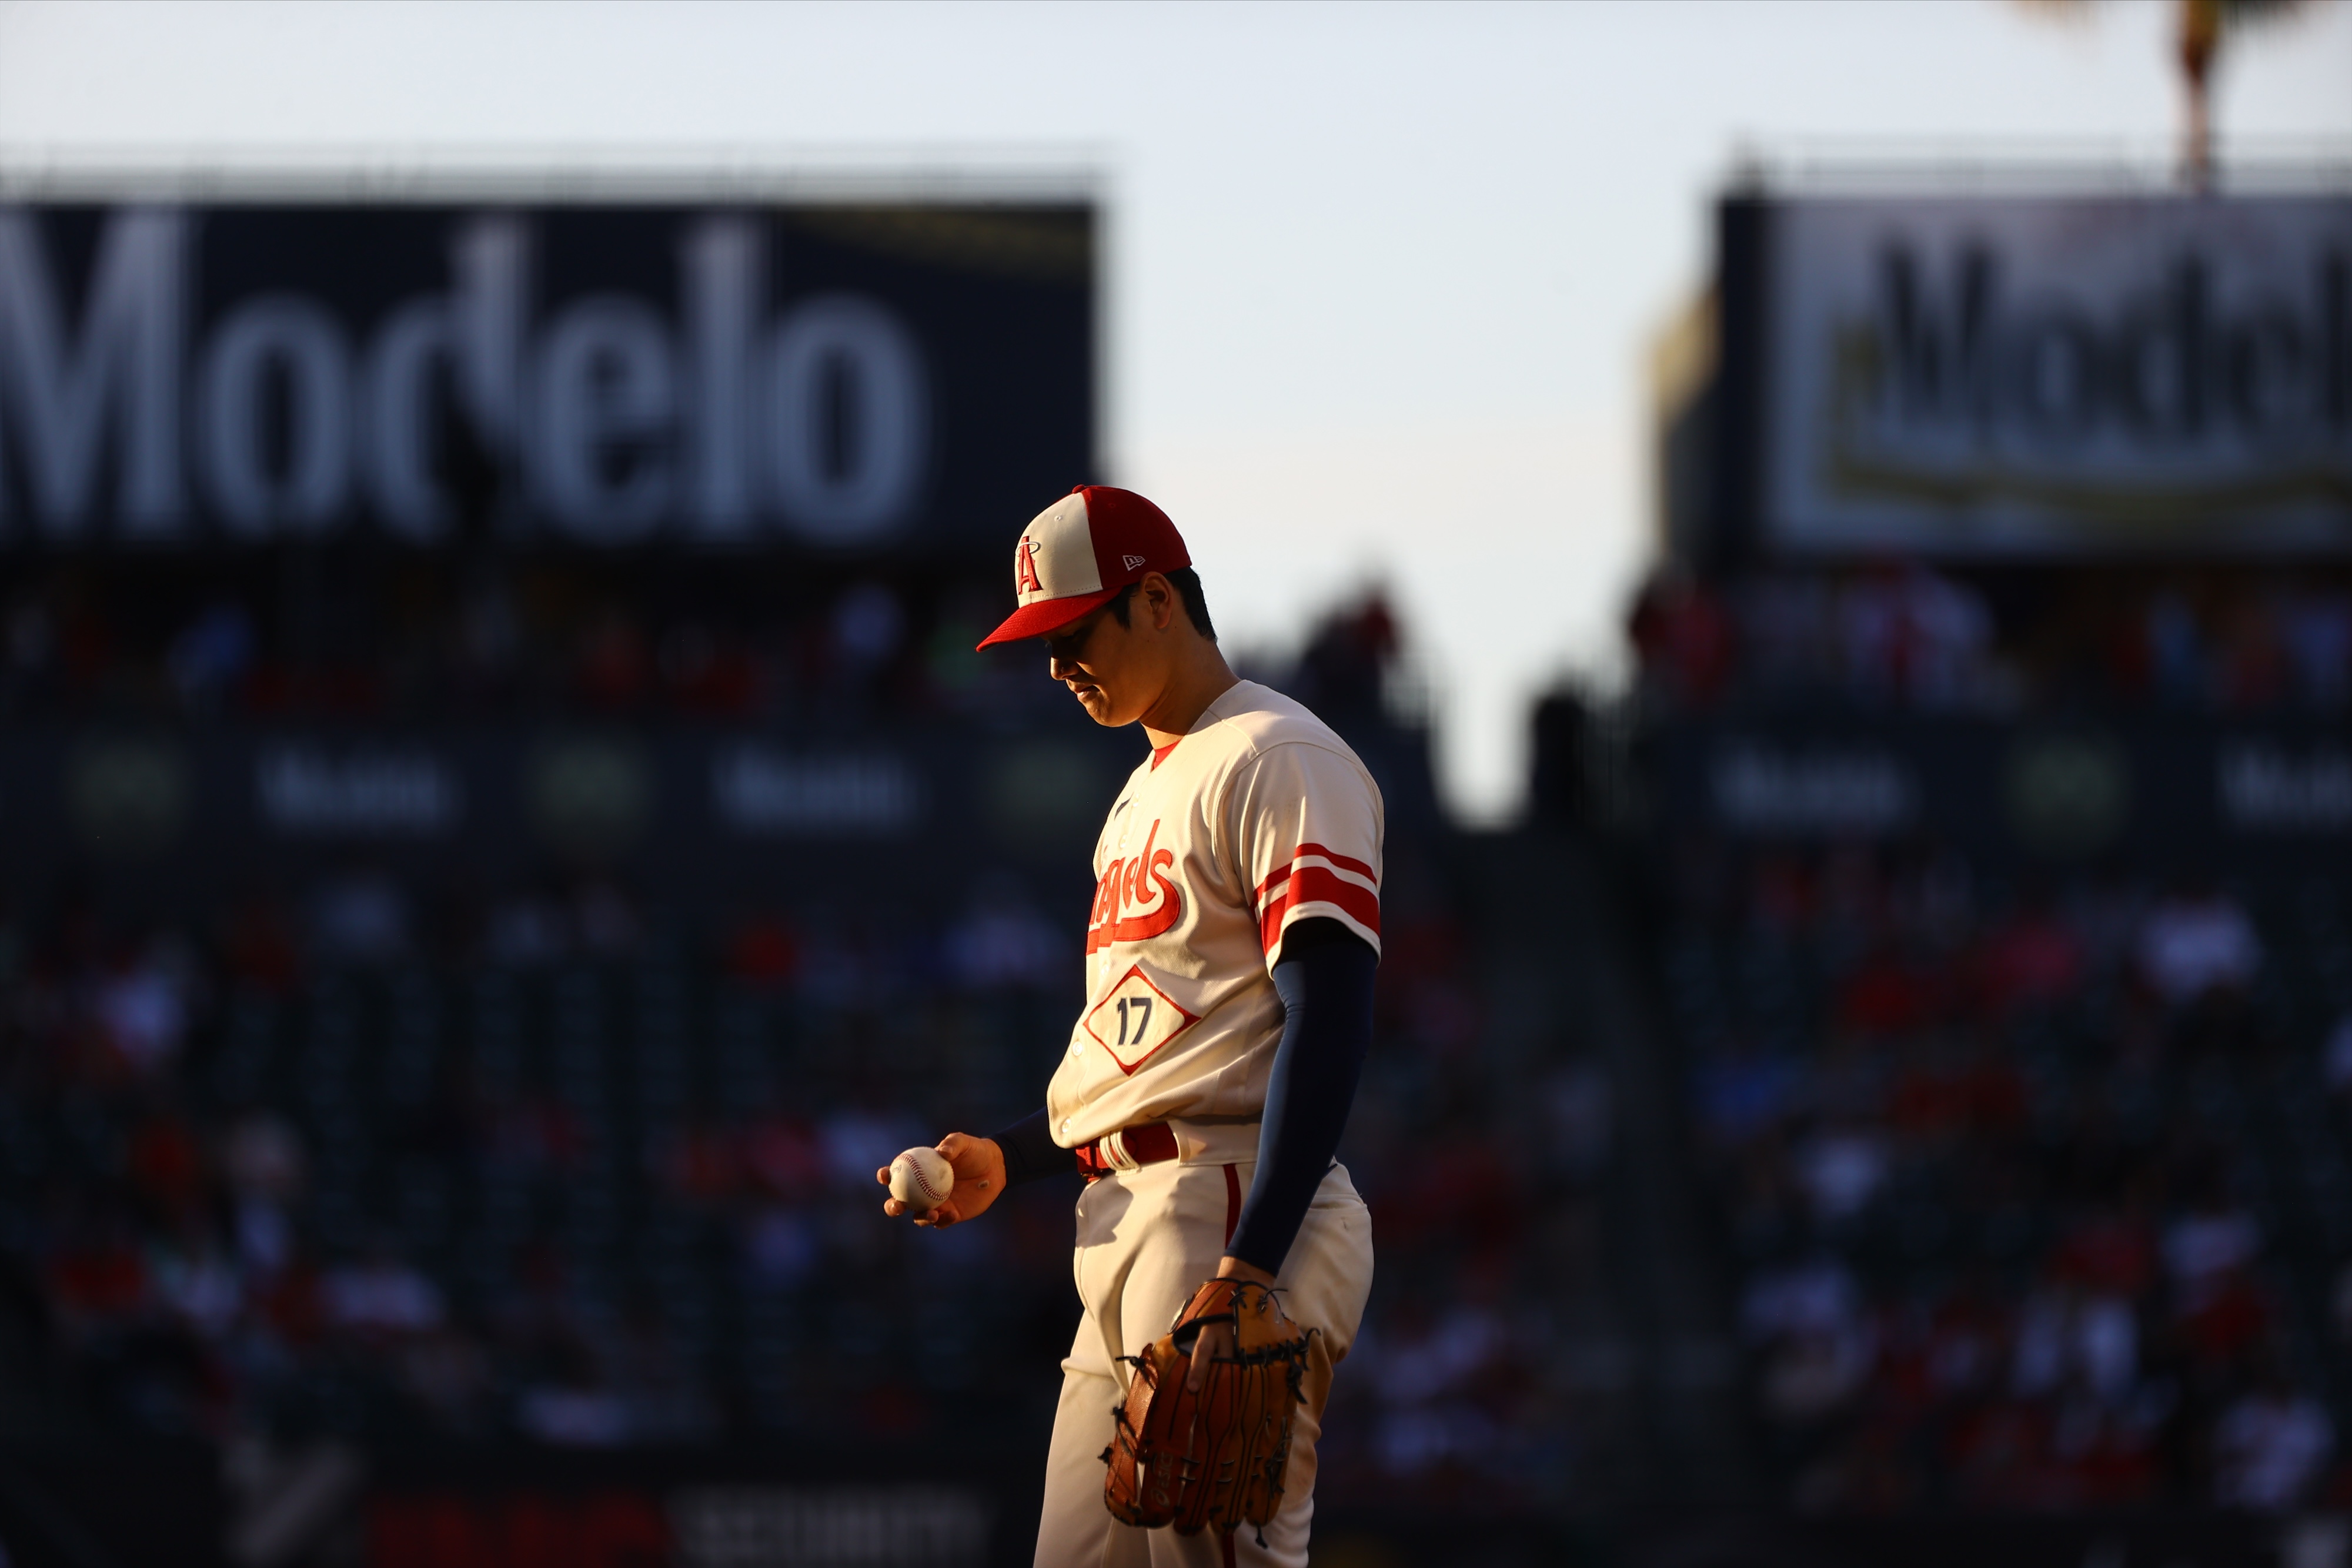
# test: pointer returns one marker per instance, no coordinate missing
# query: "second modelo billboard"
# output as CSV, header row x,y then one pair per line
x,y
2044,375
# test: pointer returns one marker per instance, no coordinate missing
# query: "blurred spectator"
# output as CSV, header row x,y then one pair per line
x,y
2063,1335
2269,1449
2317,627
2197,941
1872,634
199,1284
574,1410
262,1158
1841,1170
2204,1247
1001,943
1948,632
380,1296
2033,959
1911,632
1684,640
142,1010
1817,1343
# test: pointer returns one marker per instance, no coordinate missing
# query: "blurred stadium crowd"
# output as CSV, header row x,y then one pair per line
x,y
2034,1184
431,637
2030,1177
558,1167
1994,642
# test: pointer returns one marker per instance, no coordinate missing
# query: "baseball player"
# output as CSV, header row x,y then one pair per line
x,y
1229,959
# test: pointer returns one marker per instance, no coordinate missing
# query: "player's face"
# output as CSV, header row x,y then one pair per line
x,y
1094,657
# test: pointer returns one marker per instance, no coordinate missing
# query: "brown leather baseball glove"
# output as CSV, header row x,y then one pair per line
x,y
1213,1458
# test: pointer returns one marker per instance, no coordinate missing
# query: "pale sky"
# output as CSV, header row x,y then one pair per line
x,y
1381,277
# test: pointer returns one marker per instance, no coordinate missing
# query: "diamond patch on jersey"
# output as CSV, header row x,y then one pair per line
x,y
1134,1020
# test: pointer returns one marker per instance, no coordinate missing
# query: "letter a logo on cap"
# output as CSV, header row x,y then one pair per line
x,y
1079,551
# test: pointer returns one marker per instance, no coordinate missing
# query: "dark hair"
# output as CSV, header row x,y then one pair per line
x,y
1186,583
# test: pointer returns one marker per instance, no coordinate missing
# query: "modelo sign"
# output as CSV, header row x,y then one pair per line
x,y
611,376
2052,375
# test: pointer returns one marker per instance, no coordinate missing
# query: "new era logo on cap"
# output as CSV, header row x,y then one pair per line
x,y
1082,549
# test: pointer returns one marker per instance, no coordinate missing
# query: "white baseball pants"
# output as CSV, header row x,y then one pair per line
x,y
1147,1238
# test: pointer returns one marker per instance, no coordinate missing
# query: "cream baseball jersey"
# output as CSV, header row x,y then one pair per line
x,y
1259,817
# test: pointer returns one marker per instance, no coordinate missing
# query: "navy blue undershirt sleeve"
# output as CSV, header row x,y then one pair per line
x,y
1325,979
1029,1151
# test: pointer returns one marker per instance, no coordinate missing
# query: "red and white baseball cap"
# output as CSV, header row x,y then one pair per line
x,y
1079,551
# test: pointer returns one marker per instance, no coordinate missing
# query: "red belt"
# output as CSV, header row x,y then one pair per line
x,y
1146,1144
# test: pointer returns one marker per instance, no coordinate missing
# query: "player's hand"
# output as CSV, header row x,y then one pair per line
x,y
1215,1341
979,1166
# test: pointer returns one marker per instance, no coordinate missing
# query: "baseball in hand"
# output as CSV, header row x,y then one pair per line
x,y
921,1179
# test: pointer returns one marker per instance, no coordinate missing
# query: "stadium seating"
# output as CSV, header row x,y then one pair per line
x,y
2034,1185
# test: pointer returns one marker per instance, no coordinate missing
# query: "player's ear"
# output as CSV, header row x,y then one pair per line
x,y
1160,600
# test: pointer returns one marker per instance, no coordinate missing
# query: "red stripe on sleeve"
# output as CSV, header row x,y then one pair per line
x,y
1342,862
1314,884
1269,923
1282,873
